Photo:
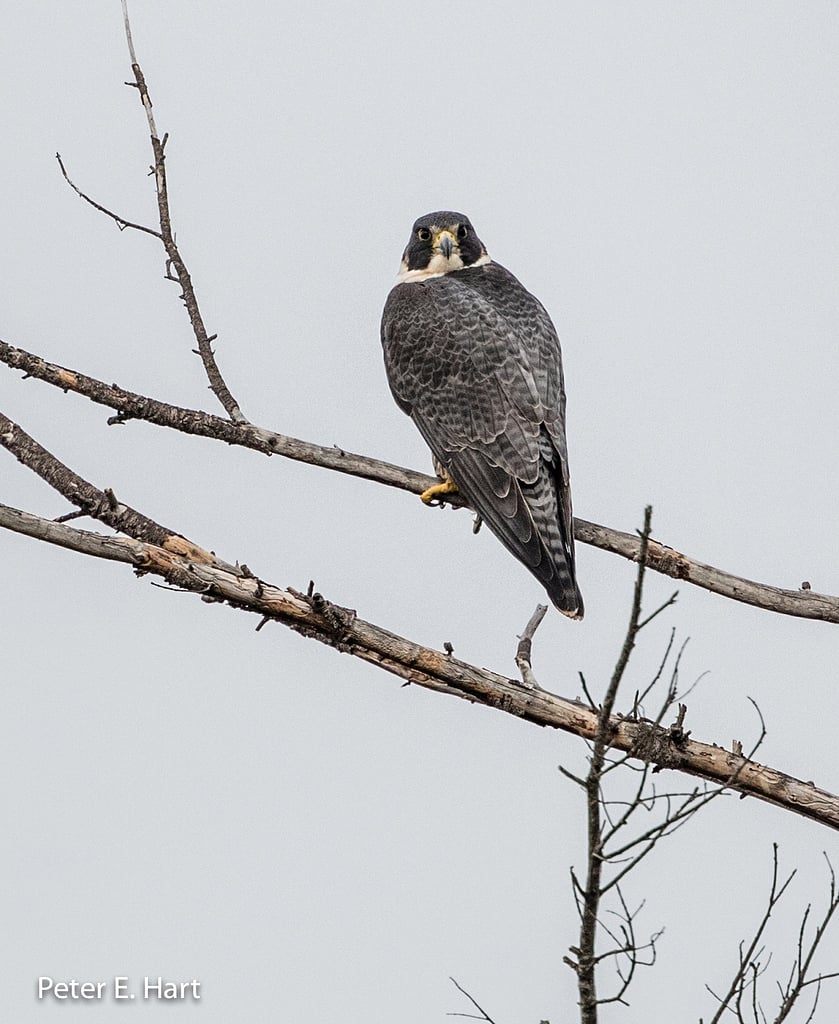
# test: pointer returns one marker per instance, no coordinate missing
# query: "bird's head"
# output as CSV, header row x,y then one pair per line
x,y
441,243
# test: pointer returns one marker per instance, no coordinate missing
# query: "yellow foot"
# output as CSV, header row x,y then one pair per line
x,y
439,491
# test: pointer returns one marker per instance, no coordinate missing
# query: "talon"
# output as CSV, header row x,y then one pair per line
x,y
438,492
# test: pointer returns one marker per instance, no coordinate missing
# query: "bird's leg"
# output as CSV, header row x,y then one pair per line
x,y
438,492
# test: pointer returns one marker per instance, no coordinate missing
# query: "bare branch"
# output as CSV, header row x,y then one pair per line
x,y
572,777
525,646
99,504
609,864
152,548
593,891
121,222
749,968
799,979
592,703
671,689
176,269
649,839
667,604
130,405
473,1016
660,558
627,949
433,669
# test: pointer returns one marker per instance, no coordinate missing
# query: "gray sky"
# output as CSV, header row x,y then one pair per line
x,y
184,797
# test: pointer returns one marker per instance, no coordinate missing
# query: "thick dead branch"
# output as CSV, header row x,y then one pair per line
x,y
129,405
435,670
662,559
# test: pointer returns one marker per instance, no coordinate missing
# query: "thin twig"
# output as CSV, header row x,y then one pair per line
x,y
749,966
799,979
667,604
484,1015
121,222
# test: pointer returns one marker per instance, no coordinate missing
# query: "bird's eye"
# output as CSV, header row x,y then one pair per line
x,y
424,235
462,231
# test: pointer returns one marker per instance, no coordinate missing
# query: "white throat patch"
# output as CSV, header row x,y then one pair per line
x,y
438,266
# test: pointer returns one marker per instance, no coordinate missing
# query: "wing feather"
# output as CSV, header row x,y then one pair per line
x,y
474,359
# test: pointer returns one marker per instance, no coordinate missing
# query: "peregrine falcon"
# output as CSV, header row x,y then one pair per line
x,y
473,358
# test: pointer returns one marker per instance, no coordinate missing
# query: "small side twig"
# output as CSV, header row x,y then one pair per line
x,y
121,222
484,1016
525,647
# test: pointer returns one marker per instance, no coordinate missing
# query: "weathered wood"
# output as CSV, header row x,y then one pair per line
x,y
805,604
342,629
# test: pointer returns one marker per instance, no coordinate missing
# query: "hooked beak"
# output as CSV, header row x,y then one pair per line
x,y
445,242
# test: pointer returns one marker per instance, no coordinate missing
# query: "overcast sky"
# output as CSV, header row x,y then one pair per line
x,y
184,797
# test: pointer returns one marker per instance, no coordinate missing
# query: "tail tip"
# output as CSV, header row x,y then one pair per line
x,y
569,602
